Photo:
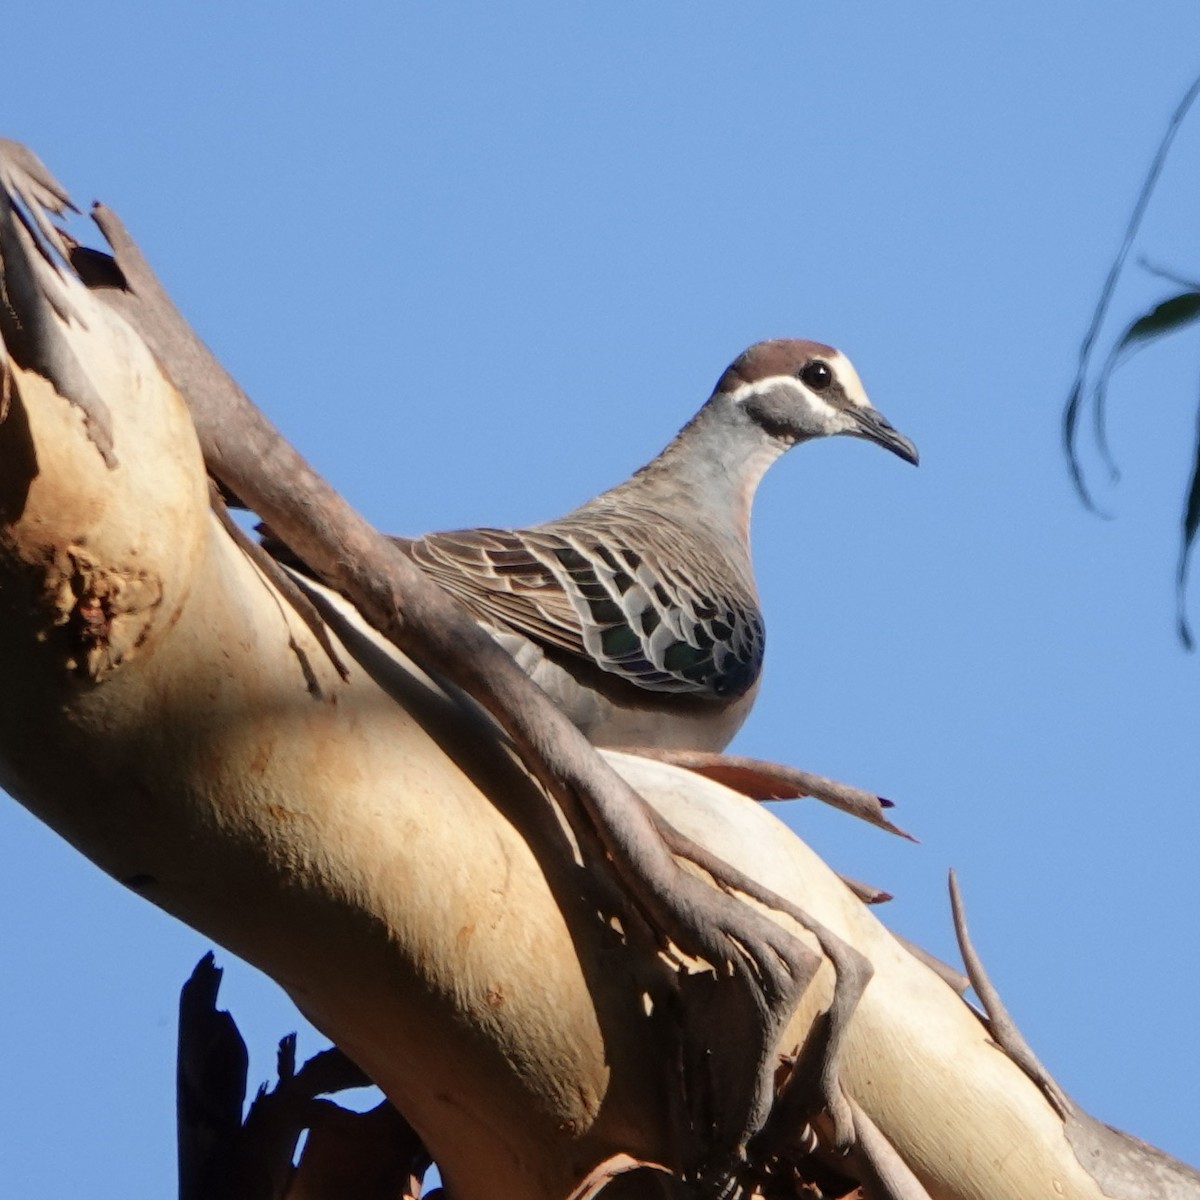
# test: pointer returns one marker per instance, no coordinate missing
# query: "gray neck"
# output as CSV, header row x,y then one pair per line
x,y
712,466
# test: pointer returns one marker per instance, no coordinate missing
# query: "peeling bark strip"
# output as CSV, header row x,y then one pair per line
x,y
675,979
283,583
32,277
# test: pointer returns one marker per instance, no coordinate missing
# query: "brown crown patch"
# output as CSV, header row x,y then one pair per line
x,y
779,356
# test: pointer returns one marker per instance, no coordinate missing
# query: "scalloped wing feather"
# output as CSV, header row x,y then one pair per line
x,y
598,599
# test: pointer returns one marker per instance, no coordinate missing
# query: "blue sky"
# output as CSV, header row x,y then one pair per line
x,y
481,262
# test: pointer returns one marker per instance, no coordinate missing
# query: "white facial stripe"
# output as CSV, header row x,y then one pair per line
x,y
769,384
843,372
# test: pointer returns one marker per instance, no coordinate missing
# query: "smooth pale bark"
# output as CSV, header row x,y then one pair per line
x,y
371,839
373,844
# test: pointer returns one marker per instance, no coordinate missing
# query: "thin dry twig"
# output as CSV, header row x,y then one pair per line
x,y
1002,1027
763,780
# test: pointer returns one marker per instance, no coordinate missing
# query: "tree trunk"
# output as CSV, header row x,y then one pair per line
x,y
371,839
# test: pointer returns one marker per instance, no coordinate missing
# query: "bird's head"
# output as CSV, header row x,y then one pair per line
x,y
795,390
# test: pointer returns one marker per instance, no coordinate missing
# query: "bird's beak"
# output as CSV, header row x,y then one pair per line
x,y
877,428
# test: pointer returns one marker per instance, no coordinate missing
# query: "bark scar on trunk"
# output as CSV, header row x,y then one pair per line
x,y
100,615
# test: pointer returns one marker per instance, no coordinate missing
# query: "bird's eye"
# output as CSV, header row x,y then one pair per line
x,y
816,375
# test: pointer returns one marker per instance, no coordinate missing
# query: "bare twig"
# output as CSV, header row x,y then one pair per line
x,y
763,780
1002,1027
883,1173
868,893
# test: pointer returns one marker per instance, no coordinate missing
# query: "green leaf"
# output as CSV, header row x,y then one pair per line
x,y
1070,423
1167,317
1071,415
1191,525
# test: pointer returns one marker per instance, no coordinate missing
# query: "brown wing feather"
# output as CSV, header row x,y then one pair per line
x,y
496,575
595,598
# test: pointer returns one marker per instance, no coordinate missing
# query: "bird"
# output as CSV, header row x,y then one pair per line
x,y
637,612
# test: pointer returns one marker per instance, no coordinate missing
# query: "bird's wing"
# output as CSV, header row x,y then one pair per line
x,y
597,599
493,573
